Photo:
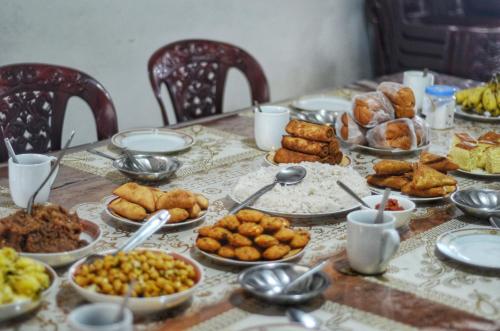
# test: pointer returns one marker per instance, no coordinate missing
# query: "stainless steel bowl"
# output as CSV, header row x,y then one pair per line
x,y
266,280
320,117
480,203
156,167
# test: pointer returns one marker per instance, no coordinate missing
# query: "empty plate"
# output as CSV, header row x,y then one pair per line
x,y
153,140
478,247
319,102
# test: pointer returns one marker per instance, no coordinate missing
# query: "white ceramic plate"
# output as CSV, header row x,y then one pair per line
x,y
142,305
319,102
379,190
298,215
126,221
269,158
479,173
11,310
279,327
91,234
474,116
222,260
393,152
153,140
478,247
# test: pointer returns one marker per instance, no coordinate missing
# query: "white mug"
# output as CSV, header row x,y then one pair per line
x,y
270,126
370,246
417,82
27,175
100,317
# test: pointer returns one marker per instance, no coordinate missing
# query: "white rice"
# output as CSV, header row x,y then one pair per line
x,y
317,193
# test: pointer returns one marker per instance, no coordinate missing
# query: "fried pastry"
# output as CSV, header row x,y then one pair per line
x,y
309,131
227,252
292,252
437,162
201,201
128,209
398,94
440,191
425,177
300,239
248,215
204,230
305,146
195,211
249,229
219,233
247,253
272,224
265,240
178,215
176,198
276,252
284,235
237,240
394,182
208,244
138,194
229,222
392,167
284,155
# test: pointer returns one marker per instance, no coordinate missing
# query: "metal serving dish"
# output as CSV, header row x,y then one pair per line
x,y
265,281
157,167
481,203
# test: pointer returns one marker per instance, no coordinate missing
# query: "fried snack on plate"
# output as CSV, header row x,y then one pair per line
x,y
247,253
227,252
178,215
305,146
194,211
265,240
249,229
300,239
176,198
229,222
284,235
437,162
392,167
138,194
394,182
292,252
218,233
284,155
248,215
127,209
316,132
425,177
204,230
433,192
207,244
201,201
276,252
237,240
272,224
157,193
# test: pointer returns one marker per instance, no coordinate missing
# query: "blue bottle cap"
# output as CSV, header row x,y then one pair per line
x,y
441,90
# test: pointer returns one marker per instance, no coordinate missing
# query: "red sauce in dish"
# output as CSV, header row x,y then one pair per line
x,y
391,205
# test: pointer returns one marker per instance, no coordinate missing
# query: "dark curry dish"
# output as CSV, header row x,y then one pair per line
x,y
51,229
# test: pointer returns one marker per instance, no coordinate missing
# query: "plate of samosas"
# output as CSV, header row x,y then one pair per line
x,y
425,180
250,238
132,204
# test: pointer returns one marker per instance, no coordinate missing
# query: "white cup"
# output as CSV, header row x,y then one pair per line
x,y
270,126
100,317
417,82
370,246
27,175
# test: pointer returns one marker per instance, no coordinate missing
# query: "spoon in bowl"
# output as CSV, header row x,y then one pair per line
x,y
352,194
379,219
286,176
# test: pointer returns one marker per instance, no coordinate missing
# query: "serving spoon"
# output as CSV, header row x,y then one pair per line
x,y
307,320
286,176
379,219
308,274
352,194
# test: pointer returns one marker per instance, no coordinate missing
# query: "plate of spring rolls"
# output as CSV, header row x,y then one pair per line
x,y
425,180
132,204
308,142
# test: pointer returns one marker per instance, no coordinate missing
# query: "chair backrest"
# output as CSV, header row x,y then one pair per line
x,y
33,100
195,71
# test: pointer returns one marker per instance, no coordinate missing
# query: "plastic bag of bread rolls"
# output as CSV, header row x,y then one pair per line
x,y
370,109
401,97
422,130
395,134
349,131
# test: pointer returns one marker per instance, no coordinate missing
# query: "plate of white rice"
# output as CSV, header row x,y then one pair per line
x,y
316,195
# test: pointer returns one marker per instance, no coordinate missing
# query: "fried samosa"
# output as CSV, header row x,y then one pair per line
x,y
176,199
392,167
178,215
394,182
128,209
437,162
316,132
425,177
440,191
138,194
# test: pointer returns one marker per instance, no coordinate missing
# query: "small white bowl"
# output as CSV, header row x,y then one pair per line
x,y
403,217
100,317
142,306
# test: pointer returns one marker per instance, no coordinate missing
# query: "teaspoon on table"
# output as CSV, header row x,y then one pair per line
x,y
352,194
305,319
287,176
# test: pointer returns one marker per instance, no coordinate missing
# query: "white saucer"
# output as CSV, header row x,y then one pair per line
x,y
319,102
152,140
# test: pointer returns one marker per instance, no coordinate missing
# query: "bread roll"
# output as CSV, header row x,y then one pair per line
x,y
398,133
399,95
370,109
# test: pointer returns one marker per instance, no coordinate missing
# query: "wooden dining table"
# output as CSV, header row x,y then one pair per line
x,y
421,289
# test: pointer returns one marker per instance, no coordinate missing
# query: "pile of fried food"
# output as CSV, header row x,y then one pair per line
x,y
135,202
426,178
384,119
154,273
473,154
252,236
50,229
21,278
308,142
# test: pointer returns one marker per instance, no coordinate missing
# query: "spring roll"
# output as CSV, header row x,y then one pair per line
x,y
394,182
310,131
284,155
305,146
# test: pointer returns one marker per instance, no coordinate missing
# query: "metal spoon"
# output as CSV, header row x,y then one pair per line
x,y
352,194
31,201
257,105
96,152
287,176
379,219
305,319
10,150
123,305
134,163
149,227
495,221
308,274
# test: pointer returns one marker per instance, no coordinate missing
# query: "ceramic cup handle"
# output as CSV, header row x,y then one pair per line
x,y
391,242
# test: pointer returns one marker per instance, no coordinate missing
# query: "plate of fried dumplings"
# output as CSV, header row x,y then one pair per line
x,y
250,238
425,180
132,204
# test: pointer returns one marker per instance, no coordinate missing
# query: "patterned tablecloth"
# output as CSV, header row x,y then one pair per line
x,y
212,167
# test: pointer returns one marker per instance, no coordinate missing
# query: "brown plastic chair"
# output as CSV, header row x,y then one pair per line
x,y
33,100
194,72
